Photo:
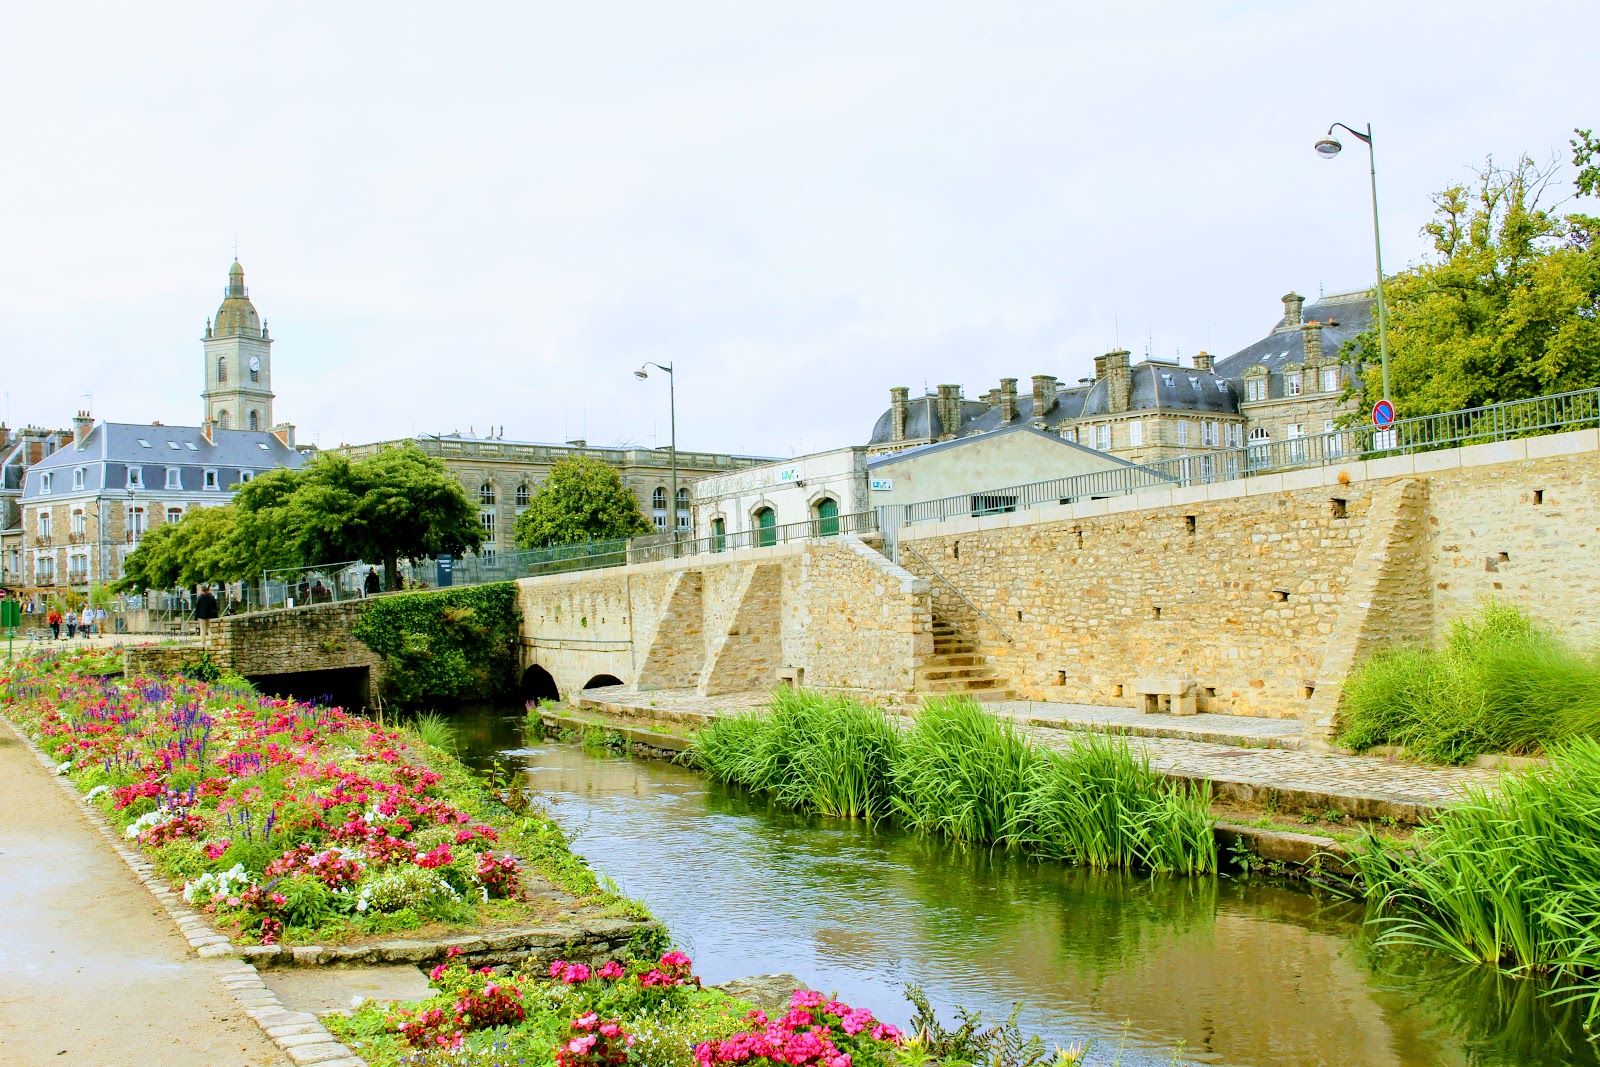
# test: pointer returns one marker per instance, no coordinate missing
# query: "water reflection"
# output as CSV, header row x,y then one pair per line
x,y
1228,971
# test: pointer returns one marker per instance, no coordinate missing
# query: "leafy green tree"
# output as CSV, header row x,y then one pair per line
x,y
1509,304
580,500
195,550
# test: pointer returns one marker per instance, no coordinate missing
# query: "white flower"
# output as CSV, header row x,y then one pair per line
x,y
97,792
220,884
63,768
149,819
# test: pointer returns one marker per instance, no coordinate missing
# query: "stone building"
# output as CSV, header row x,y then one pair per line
x,y
1289,384
89,500
502,475
19,450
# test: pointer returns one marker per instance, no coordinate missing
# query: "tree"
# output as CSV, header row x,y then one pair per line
x,y
580,500
195,550
410,507
1508,307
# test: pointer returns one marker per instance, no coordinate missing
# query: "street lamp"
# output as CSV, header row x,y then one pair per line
x,y
1327,148
672,409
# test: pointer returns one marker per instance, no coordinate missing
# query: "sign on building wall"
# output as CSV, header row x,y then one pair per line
x,y
883,485
789,474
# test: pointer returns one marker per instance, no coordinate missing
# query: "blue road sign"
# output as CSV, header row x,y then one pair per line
x,y
1383,414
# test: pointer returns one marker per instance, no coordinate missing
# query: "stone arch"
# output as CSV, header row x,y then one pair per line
x,y
538,684
255,419
601,680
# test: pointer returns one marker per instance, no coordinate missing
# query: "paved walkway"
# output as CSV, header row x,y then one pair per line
x,y
1251,760
92,971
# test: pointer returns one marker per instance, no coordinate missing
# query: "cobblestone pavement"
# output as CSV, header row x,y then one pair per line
x,y
92,971
1243,730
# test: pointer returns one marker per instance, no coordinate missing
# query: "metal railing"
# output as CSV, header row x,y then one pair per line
x,y
984,615
1452,429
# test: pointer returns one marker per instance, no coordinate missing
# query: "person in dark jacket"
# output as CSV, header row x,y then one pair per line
x,y
372,584
205,610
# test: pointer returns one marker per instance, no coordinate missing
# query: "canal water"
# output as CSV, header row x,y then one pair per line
x,y
1150,970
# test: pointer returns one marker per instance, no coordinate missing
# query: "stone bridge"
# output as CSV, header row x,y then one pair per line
x,y
1265,591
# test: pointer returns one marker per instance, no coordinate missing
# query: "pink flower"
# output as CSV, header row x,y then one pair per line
x,y
580,1045
215,850
575,973
437,973
586,1022
612,971
806,998
886,1032
675,959
556,967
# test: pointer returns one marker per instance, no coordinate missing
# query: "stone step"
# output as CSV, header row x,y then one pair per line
x,y
964,685
962,645
951,674
956,659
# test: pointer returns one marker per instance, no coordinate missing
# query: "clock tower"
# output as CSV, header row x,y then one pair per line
x,y
238,391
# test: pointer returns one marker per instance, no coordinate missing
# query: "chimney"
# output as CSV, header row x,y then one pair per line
x,y
950,409
1044,397
1119,383
1292,302
1099,368
1313,341
1008,400
898,408
206,429
82,423
1203,361
284,432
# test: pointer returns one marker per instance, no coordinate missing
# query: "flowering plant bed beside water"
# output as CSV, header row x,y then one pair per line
x,y
574,1015
286,822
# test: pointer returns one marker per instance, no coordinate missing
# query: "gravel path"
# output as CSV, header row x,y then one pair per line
x,y
92,971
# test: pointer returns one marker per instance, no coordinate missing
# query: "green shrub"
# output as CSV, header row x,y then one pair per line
x,y
1499,684
1509,878
447,645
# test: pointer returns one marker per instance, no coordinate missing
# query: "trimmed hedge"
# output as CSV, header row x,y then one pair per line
x,y
445,646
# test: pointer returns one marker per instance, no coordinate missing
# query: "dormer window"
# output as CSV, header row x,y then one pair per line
x,y
1330,379
45,483
174,478
77,477
1255,388
211,480
245,476
1292,384
135,477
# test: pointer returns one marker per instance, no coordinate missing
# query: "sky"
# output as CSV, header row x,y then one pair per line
x,y
458,217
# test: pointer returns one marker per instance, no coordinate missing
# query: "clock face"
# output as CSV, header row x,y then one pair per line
x,y
255,362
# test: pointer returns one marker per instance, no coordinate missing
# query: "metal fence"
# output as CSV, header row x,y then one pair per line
x,y
1495,422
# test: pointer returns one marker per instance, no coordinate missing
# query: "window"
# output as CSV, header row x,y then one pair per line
x,y
1296,446
174,515
1070,433
684,520
1334,441
1291,384
44,483
77,569
135,523
222,369
46,523
658,507
1255,388
1330,379
211,480
44,570
1135,433
1210,434
77,478
224,419
1102,437
135,477
1260,454
522,496
719,535
80,523
255,370
174,478
255,419
245,476
1183,431
487,518
1235,434
486,494
827,513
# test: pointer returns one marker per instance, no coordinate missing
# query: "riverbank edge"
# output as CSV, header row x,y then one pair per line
x,y
1302,853
300,1035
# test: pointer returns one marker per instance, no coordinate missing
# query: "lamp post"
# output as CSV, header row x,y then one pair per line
x,y
672,409
1327,148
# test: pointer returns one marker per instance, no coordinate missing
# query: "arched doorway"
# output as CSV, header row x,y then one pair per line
x,y
827,512
766,527
601,680
537,684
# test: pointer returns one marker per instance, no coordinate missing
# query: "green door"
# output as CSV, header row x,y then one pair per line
x,y
766,527
827,517
719,535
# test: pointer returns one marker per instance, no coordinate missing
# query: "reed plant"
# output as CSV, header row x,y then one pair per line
x,y
435,730
1500,683
962,772
1509,878
1099,803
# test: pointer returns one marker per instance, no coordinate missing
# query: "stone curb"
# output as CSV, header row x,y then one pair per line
x,y
579,940
240,980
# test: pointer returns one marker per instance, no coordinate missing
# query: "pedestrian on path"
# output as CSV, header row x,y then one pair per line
x,y
54,619
372,586
205,610
72,624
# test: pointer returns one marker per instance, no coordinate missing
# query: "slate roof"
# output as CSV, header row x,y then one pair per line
x,y
1166,387
957,442
1343,315
922,419
115,446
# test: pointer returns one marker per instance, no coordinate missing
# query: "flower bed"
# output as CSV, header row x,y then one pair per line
x,y
292,823
573,1015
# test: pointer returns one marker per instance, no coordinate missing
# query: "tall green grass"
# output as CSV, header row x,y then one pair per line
x,y
1499,684
1509,878
961,773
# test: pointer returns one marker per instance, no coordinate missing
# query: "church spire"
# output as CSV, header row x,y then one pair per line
x,y
236,279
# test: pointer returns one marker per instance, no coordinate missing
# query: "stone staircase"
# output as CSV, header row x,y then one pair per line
x,y
958,668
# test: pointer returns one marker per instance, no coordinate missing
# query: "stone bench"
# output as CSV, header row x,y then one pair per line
x,y
1175,696
793,677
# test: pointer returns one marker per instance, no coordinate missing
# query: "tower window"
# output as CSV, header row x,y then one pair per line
x,y
224,419
222,369
255,419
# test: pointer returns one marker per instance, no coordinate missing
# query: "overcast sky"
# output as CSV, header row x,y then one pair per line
x,y
465,215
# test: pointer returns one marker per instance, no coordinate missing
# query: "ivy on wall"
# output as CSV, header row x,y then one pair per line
x,y
447,646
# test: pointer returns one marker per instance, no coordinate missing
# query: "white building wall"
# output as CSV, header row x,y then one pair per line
x,y
792,488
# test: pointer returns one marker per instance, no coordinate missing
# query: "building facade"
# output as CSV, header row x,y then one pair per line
x,y
502,475
85,504
1292,383
19,450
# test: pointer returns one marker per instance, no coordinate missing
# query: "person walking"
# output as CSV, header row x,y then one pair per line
x,y
54,619
205,610
72,624
372,585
